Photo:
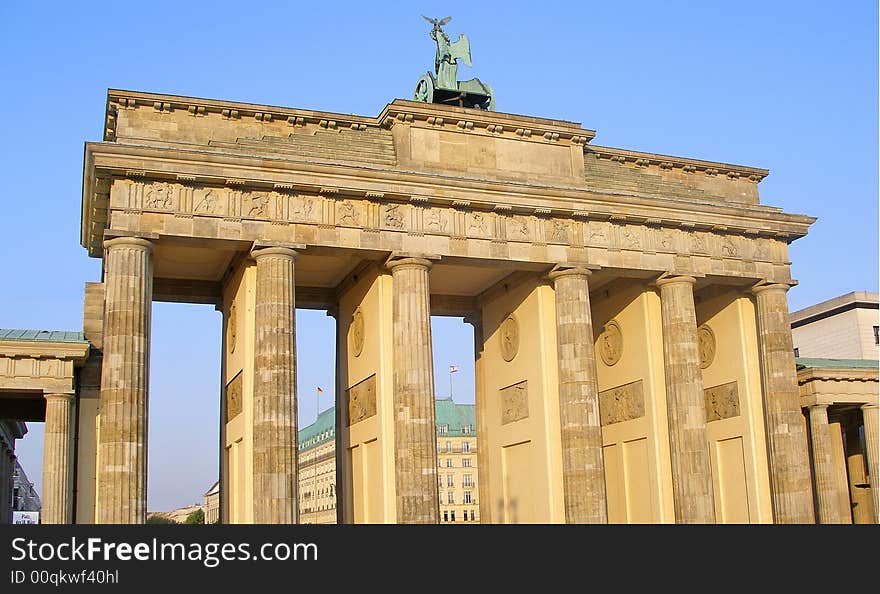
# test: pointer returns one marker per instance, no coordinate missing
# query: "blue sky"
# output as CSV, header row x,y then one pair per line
x,y
788,86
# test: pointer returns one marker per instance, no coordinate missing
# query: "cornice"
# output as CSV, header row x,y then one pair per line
x,y
116,160
687,165
77,352
837,374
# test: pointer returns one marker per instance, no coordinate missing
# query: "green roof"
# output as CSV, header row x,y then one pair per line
x,y
454,416
320,431
808,363
42,335
447,412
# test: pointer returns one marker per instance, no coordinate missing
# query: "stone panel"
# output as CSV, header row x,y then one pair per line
x,y
361,400
722,402
622,403
514,402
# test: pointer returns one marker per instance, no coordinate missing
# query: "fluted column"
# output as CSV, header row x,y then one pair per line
x,y
869,413
583,468
692,492
823,466
122,474
790,483
276,497
57,496
415,439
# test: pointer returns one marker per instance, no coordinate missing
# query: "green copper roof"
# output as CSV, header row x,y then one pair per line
x,y
320,431
807,363
42,335
454,416
447,412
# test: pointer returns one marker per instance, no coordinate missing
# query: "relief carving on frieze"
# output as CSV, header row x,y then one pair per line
x,y
394,216
558,231
477,224
233,397
722,402
159,196
361,400
622,403
210,201
347,214
303,208
514,402
518,228
435,221
256,205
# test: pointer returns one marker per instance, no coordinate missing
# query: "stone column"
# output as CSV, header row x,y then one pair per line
x,y
57,496
276,496
692,490
790,482
869,414
823,466
583,468
415,439
122,474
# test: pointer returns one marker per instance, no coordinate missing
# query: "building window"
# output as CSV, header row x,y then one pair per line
x,y
797,352
468,480
439,463
450,499
466,462
445,516
452,516
448,447
444,429
450,480
466,446
448,462
876,334
467,497
439,480
466,429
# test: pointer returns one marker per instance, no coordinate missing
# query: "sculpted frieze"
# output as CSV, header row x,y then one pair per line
x,y
235,202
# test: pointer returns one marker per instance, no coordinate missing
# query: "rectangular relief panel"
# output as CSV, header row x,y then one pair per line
x,y
514,402
622,403
361,400
722,402
233,397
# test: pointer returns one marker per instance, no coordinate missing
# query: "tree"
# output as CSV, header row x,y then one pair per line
x,y
196,517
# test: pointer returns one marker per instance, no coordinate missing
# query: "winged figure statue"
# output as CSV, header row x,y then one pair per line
x,y
448,54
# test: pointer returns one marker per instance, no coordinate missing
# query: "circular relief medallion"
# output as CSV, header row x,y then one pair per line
x,y
706,342
232,327
611,343
509,338
356,333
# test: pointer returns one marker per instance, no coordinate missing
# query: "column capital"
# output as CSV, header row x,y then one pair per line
x,y
404,260
669,278
131,242
571,269
766,285
818,406
868,406
59,395
260,250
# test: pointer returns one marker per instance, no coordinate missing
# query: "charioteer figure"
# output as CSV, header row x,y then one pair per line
x,y
441,86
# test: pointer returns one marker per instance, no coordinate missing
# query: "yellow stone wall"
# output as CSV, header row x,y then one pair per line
x,y
528,486
366,477
237,457
738,448
638,472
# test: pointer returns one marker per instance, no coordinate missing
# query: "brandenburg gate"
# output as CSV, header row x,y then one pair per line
x,y
634,359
